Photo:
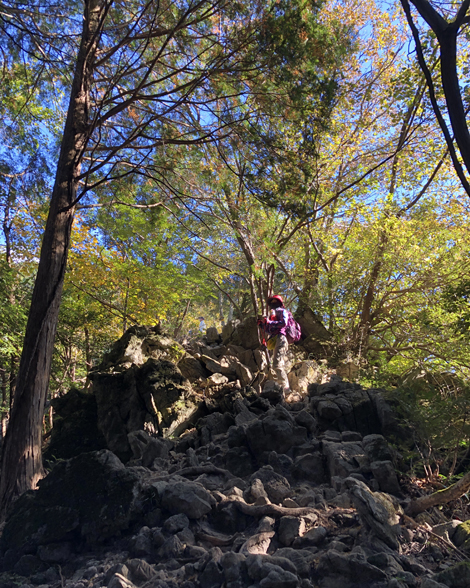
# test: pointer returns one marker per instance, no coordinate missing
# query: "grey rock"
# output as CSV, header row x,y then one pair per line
x,y
176,523
312,538
157,447
192,368
350,566
143,542
91,494
189,498
385,474
457,576
244,334
310,467
171,549
139,570
378,511
300,558
343,459
275,485
28,565
212,335
232,563
55,552
377,448
118,581
289,529
307,420
430,583
328,410
274,434
351,436
212,576
279,578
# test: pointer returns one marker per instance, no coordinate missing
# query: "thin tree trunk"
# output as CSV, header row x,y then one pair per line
x,y
180,324
21,462
88,359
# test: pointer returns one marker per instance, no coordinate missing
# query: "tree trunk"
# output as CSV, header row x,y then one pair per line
x,y
21,463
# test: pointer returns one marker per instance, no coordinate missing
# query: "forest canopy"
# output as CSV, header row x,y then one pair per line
x,y
163,161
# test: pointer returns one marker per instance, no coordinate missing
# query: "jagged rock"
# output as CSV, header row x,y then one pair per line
x,y
302,374
461,535
75,428
305,419
310,467
154,396
140,570
216,380
138,345
89,497
289,529
378,511
28,565
351,568
119,581
184,517
189,498
192,368
457,576
274,434
212,335
55,552
273,392
244,334
384,473
343,459
156,448
430,583
348,370
377,448
328,410
311,538
276,486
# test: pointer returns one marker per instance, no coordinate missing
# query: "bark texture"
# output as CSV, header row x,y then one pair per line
x,y
21,463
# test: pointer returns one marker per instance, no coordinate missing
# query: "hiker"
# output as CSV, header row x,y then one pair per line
x,y
202,324
275,325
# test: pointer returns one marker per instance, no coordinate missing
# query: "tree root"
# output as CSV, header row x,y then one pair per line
x,y
266,510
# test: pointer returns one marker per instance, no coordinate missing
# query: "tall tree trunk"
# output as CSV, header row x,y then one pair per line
x,y
21,463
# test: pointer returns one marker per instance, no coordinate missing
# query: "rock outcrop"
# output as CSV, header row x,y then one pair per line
x,y
214,483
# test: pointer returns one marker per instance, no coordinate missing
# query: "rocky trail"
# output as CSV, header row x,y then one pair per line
x,y
186,468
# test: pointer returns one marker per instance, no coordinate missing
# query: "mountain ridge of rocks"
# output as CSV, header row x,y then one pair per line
x,y
196,482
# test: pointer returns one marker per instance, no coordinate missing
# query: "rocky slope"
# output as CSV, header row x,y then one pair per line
x,y
187,468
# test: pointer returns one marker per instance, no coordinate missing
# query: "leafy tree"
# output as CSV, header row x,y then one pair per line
x,y
145,75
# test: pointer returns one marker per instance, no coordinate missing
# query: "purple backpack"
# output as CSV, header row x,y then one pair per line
x,y
293,330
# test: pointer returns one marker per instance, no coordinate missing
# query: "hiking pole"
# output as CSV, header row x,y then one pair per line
x,y
262,342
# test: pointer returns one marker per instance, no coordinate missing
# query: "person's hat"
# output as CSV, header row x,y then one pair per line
x,y
278,298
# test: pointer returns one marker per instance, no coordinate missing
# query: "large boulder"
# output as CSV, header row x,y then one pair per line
x,y
154,397
88,498
245,334
137,345
75,428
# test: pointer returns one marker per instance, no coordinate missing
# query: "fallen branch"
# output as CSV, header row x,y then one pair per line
x,y
440,497
461,555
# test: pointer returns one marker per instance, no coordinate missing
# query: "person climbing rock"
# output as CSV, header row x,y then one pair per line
x,y
275,326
